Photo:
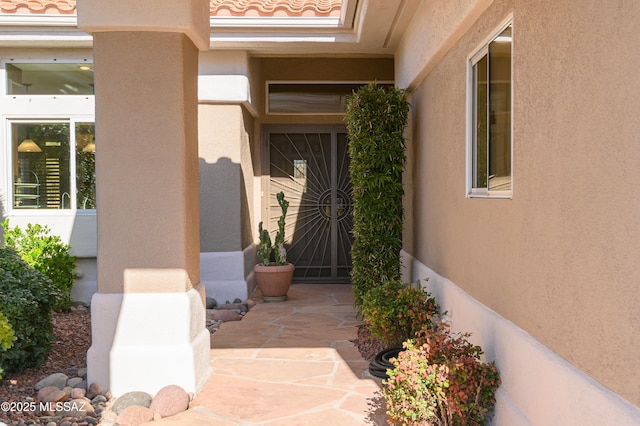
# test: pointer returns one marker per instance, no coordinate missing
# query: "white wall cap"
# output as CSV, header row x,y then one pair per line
x,y
223,88
190,17
226,89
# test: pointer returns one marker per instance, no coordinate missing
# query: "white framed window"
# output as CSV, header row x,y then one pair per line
x,y
52,164
489,109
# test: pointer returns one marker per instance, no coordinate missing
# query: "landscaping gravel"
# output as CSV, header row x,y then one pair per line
x,y
68,354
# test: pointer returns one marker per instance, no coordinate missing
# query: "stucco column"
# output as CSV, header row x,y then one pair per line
x,y
148,317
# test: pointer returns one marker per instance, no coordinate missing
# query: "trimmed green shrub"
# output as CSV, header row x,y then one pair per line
x,y
376,117
27,298
395,312
47,254
439,380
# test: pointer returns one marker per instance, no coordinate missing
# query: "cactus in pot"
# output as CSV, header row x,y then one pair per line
x,y
274,278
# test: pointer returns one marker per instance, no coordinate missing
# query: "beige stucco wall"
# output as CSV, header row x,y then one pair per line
x,y
438,25
560,260
226,177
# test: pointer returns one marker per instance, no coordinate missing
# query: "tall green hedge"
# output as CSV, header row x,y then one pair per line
x,y
376,117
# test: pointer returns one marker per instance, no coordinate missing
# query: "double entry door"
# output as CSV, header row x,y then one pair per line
x,y
311,166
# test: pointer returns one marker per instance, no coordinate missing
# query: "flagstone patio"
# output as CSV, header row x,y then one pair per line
x,y
289,363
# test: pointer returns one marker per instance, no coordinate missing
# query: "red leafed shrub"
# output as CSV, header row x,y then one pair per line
x,y
440,380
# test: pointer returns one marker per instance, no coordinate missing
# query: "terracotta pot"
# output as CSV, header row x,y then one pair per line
x,y
274,281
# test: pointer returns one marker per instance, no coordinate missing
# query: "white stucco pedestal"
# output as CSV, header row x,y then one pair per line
x,y
144,341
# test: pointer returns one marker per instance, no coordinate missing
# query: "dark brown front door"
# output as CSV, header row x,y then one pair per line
x,y
311,166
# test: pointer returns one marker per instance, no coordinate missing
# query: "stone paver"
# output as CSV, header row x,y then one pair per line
x,y
289,363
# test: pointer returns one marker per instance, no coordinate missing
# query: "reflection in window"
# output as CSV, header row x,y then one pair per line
x,y
49,79
85,166
491,103
47,173
308,98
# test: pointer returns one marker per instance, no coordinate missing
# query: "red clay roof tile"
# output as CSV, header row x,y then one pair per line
x,y
37,7
217,7
275,7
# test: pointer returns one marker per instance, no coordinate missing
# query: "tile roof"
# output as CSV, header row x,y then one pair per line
x,y
37,7
275,7
219,8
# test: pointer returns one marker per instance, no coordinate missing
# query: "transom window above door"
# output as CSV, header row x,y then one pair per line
x,y
309,97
